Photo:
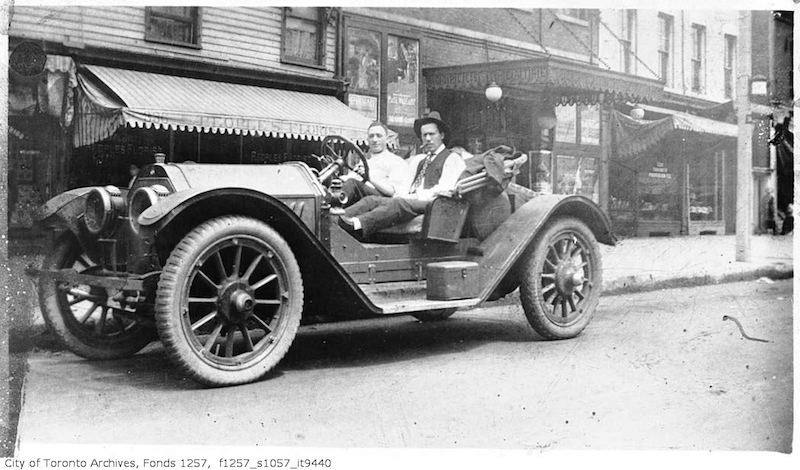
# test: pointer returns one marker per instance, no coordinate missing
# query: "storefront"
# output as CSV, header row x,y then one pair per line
x,y
673,175
554,109
381,62
40,114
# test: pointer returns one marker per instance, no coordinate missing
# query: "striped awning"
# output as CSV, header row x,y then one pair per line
x,y
110,98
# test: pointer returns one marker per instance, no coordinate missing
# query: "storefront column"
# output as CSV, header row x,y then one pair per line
x,y
605,154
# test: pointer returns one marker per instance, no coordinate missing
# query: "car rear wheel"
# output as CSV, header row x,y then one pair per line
x,y
435,315
560,279
88,320
229,301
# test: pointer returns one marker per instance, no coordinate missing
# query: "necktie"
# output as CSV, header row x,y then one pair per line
x,y
421,174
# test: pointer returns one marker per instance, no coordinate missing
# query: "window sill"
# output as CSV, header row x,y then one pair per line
x,y
302,63
173,43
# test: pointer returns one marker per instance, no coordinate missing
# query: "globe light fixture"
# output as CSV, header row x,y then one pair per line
x,y
637,112
493,92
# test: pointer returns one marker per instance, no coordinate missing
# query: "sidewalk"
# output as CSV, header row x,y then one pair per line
x,y
641,264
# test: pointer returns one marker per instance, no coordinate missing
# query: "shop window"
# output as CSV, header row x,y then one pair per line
x,y
303,39
658,193
665,40
566,124
705,187
363,69
577,175
173,25
590,125
698,57
730,55
402,86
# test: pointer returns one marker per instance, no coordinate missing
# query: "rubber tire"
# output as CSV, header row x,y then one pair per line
x,y
430,316
530,268
168,300
69,334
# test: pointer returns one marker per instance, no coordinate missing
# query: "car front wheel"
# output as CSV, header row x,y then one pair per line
x,y
560,279
229,301
88,320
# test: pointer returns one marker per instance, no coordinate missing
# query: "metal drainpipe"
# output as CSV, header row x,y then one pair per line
x,y
683,52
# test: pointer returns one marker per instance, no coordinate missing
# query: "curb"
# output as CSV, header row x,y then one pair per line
x,y
644,283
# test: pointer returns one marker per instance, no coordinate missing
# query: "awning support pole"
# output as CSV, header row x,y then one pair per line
x,y
744,148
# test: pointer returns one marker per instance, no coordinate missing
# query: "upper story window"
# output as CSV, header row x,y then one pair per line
x,y
173,25
628,42
665,40
576,15
698,57
730,64
304,33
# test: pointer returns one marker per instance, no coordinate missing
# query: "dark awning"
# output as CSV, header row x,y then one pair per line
x,y
565,80
634,136
111,97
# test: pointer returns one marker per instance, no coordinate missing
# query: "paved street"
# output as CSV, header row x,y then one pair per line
x,y
657,370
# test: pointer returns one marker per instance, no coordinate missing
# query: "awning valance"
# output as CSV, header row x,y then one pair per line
x,y
111,97
565,80
633,136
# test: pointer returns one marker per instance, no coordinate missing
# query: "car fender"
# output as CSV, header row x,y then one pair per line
x,y
314,257
63,210
507,243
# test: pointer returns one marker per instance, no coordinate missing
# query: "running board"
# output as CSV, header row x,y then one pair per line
x,y
408,297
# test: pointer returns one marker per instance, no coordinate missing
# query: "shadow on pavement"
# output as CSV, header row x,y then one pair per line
x,y
325,346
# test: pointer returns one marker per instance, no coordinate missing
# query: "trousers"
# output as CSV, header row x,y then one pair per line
x,y
357,190
379,212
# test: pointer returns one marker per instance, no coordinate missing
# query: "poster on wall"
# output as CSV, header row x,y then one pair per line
x,y
403,80
363,66
366,105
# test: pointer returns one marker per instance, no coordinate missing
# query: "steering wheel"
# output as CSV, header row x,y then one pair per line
x,y
336,148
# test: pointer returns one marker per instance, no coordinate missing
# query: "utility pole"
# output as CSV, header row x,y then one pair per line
x,y
744,147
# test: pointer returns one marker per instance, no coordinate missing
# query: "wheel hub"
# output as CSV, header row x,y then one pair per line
x,y
568,277
236,302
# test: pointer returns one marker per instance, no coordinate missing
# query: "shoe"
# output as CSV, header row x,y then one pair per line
x,y
347,224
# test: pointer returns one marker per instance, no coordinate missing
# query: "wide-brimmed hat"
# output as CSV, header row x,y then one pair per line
x,y
431,117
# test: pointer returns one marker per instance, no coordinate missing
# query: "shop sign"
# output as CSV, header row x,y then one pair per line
x,y
659,171
532,74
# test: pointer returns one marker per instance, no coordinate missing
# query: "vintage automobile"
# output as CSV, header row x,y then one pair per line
x,y
224,262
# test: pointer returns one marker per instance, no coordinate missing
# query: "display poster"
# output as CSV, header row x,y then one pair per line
x,y
590,125
366,105
566,123
402,87
363,61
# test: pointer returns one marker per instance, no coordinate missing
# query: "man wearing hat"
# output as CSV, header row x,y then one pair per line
x,y
435,171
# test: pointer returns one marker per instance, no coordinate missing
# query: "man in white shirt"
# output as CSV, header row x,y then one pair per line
x,y
386,170
434,172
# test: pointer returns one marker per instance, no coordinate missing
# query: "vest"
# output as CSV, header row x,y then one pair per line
x,y
434,172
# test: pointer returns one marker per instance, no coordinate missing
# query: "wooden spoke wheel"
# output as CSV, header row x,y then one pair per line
x,y
229,301
560,279
88,320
